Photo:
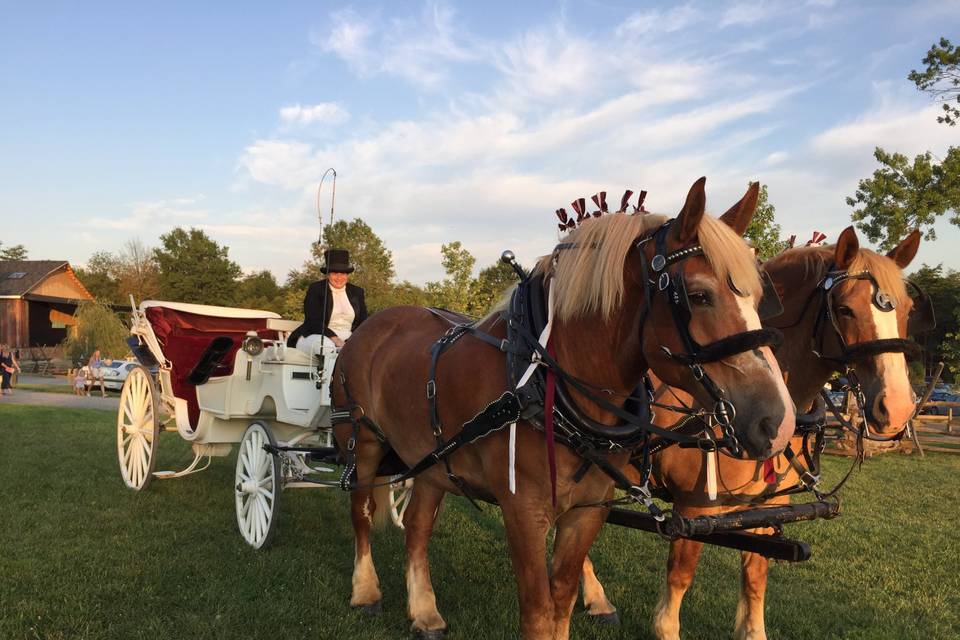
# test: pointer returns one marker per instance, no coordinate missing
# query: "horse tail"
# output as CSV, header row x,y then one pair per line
x,y
381,498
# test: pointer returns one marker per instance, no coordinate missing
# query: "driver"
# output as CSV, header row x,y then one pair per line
x,y
333,308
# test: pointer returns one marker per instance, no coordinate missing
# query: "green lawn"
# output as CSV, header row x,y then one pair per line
x,y
81,556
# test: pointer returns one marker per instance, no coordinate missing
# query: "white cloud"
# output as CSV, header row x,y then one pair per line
x,y
654,21
744,13
419,50
323,113
150,215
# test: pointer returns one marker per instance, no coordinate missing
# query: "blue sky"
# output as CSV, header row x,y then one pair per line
x,y
445,121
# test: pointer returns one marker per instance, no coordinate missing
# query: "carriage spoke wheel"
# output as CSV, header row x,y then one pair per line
x,y
257,487
400,495
138,427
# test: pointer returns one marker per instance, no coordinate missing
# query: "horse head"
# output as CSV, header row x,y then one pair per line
x,y
716,296
871,310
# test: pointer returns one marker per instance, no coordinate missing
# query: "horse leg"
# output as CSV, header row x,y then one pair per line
x,y
366,585
576,531
681,566
595,599
753,588
527,541
418,524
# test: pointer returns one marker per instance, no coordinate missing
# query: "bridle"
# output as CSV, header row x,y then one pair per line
x,y
850,354
672,289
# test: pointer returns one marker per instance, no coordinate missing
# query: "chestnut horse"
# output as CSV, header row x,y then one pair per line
x,y
808,358
608,327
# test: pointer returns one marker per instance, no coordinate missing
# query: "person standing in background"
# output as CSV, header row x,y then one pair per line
x,y
8,366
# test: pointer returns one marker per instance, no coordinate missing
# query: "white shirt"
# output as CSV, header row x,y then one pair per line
x,y
341,318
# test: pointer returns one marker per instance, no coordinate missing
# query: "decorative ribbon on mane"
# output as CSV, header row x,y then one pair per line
x,y
816,240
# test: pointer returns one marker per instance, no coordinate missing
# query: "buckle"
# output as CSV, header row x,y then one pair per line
x,y
431,389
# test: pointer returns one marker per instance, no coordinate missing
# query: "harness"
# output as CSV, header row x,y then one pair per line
x,y
591,440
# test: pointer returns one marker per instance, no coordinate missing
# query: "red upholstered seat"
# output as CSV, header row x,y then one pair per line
x,y
184,336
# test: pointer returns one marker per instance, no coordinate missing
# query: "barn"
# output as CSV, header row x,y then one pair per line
x,y
37,301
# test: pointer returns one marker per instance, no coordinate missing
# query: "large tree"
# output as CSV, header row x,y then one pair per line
x,y
941,79
453,292
943,342
99,276
260,291
763,231
137,272
97,327
14,252
371,258
904,195
194,268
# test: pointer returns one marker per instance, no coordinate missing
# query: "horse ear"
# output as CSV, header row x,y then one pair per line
x,y
904,252
847,247
738,217
688,220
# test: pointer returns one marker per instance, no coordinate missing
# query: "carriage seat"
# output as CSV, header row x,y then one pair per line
x,y
187,333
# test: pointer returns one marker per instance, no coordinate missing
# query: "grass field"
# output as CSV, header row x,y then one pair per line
x,y
81,556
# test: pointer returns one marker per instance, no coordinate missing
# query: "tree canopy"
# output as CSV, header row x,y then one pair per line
x,y
904,195
941,79
97,327
943,342
13,252
763,231
194,268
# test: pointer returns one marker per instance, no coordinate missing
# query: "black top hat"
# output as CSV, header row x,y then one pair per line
x,y
336,260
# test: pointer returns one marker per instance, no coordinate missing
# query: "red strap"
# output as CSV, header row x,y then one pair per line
x,y
769,473
548,427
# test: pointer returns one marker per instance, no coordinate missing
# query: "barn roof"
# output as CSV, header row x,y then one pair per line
x,y
18,277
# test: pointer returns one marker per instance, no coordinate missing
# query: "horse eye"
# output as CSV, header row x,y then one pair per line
x,y
845,311
701,298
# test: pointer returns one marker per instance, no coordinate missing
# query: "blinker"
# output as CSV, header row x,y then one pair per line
x,y
922,317
770,305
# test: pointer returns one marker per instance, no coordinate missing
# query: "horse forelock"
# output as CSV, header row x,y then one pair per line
x,y
817,261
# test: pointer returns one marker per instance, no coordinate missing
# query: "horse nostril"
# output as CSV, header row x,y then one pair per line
x,y
880,412
769,427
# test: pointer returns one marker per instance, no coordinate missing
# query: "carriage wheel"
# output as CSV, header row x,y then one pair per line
x,y
138,427
400,495
258,486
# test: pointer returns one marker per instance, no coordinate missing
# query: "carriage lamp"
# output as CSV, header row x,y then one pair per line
x,y
252,344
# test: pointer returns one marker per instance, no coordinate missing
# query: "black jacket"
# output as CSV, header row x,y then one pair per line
x,y
314,319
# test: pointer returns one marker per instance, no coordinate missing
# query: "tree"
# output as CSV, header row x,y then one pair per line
x,y
136,272
489,287
943,341
194,268
762,231
372,260
260,291
453,292
97,327
902,196
15,252
941,79
99,276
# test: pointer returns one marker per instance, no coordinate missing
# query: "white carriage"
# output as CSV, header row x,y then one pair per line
x,y
226,376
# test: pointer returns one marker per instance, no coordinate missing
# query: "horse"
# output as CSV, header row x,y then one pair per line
x,y
845,308
609,326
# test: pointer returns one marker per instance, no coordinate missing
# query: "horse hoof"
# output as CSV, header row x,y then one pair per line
x,y
611,619
432,634
373,609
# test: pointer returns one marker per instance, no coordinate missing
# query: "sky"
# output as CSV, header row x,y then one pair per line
x,y
444,121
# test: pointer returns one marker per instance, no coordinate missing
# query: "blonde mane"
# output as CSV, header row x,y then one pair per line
x,y
816,261
588,278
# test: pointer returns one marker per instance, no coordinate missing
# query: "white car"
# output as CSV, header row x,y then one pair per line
x,y
115,373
